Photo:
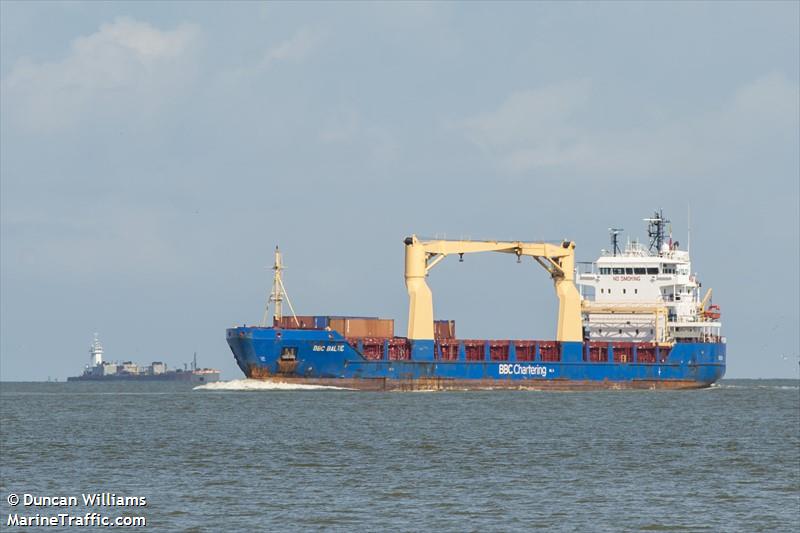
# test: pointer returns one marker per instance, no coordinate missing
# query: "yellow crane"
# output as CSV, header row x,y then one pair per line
x,y
701,306
557,259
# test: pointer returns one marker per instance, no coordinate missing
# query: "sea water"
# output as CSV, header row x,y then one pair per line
x,y
247,456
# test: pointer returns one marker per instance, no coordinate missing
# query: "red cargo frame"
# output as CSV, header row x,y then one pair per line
x,y
448,349
526,350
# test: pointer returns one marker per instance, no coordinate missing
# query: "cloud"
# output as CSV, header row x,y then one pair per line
x,y
346,127
528,116
295,48
341,127
531,128
551,128
124,58
103,240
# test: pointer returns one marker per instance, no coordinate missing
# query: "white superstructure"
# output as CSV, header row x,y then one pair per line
x,y
95,352
646,294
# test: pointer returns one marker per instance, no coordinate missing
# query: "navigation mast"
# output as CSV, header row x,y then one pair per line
x,y
656,230
615,240
278,293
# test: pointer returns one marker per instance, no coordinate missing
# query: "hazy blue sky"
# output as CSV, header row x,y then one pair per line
x,y
153,154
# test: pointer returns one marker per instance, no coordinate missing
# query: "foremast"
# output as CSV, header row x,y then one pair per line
x,y
278,294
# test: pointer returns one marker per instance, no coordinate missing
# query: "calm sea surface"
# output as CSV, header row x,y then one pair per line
x,y
723,459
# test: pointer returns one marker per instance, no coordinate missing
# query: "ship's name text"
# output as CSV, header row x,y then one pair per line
x,y
522,370
328,348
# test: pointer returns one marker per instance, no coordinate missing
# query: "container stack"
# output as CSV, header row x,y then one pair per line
x,y
346,325
444,329
363,327
303,322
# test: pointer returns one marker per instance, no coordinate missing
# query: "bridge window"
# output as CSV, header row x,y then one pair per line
x,y
652,270
624,291
629,270
605,270
640,270
618,271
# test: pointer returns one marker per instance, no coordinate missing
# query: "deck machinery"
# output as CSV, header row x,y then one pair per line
x,y
638,321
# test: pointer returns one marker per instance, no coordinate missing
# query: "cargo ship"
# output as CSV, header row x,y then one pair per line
x,y
100,370
632,319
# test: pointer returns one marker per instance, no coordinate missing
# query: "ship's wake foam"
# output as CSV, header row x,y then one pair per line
x,y
720,386
253,385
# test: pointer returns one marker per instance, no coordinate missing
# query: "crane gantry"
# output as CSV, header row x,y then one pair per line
x,y
557,259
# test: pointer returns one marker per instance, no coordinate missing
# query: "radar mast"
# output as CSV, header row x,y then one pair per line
x,y
656,231
615,240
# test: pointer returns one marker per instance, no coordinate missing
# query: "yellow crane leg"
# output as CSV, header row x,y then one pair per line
x,y
420,299
570,326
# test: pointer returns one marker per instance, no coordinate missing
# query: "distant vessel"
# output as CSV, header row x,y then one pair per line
x,y
639,322
99,370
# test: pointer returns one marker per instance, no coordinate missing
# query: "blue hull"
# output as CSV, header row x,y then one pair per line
x,y
326,357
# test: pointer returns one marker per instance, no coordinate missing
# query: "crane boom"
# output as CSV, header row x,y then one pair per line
x,y
702,305
558,260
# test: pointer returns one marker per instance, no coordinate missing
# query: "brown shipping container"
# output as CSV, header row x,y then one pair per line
x,y
363,327
337,324
444,329
305,322
355,327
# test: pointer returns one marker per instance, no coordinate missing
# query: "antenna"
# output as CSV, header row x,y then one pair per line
x,y
655,230
278,293
615,239
689,228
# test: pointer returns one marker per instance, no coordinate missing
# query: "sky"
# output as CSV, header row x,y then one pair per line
x,y
153,154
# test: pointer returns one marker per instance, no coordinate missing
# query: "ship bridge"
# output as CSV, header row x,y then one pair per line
x,y
645,294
